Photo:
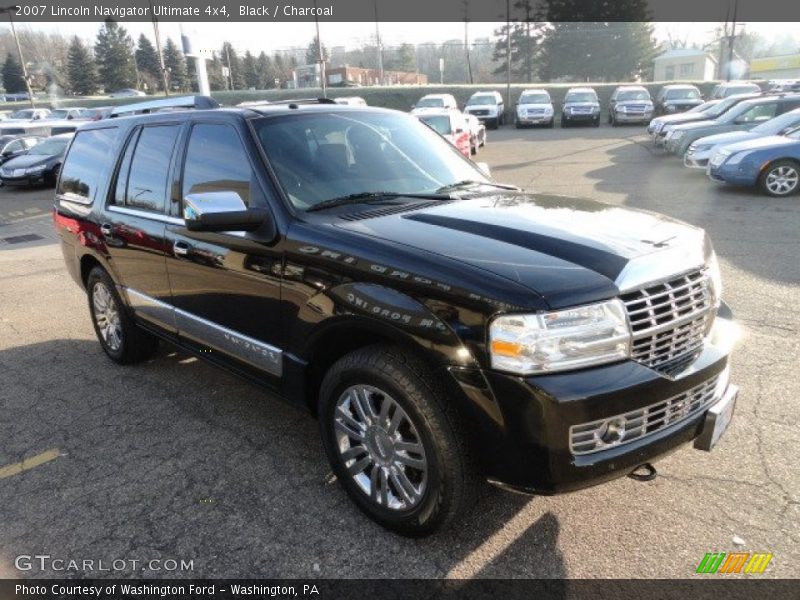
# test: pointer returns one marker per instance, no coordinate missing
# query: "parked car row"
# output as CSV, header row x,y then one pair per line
x,y
749,139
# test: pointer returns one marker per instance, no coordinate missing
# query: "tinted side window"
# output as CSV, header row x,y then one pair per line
x,y
216,161
86,162
147,180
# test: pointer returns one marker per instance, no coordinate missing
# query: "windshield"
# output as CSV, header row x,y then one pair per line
x,y
581,97
440,123
534,98
687,94
481,100
633,95
723,106
49,147
22,114
58,114
778,124
705,106
318,157
430,103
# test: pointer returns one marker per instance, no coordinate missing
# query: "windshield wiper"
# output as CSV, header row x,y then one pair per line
x,y
368,197
468,182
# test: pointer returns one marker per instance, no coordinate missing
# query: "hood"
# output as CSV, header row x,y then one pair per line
x,y
471,107
730,137
694,125
692,101
769,141
26,161
561,248
633,102
681,118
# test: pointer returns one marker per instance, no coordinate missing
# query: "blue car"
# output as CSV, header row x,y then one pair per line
x,y
772,163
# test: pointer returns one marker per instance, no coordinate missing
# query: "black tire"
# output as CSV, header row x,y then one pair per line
x,y
517,124
563,123
495,123
135,344
52,178
450,483
785,167
552,123
596,122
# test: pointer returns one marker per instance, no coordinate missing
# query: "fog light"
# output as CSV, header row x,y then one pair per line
x,y
613,431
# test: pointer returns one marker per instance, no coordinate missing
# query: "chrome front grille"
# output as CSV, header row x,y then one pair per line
x,y
670,320
587,438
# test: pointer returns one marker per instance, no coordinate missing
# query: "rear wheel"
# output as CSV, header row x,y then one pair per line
x,y
781,178
122,340
394,442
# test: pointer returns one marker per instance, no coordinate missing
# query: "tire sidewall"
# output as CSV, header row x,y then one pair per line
x,y
772,167
98,276
415,521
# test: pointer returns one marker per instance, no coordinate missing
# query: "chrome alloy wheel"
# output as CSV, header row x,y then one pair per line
x,y
380,447
106,315
782,180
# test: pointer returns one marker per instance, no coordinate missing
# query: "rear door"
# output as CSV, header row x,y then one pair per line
x,y
133,226
225,285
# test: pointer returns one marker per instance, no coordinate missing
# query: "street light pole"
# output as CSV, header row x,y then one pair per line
x,y
10,11
320,58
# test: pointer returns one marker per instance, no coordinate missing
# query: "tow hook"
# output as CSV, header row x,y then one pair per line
x,y
644,472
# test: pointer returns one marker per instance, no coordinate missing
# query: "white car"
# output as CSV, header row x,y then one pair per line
x,y
28,114
442,101
534,107
701,150
477,133
351,100
126,93
488,107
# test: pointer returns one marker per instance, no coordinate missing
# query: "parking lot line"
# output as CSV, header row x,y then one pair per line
x,y
29,463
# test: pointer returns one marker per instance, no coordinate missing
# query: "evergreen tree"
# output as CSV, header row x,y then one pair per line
x,y
113,51
148,63
280,69
312,52
250,71
81,70
216,80
231,60
525,37
13,81
175,64
266,72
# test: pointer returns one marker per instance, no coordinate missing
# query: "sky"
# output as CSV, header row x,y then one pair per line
x,y
271,37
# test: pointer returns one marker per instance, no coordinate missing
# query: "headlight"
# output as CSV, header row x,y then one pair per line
x,y
716,279
595,109
622,109
36,169
548,110
735,159
671,108
565,339
703,148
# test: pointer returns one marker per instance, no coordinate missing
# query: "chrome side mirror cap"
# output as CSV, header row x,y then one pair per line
x,y
221,211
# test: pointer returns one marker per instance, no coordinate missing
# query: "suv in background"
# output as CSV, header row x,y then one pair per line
x,y
443,328
630,104
732,88
580,106
676,98
446,101
534,107
488,107
451,125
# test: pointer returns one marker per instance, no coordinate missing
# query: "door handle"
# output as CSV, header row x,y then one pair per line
x,y
181,248
105,229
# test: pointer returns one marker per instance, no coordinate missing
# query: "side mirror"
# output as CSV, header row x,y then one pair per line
x,y
484,168
70,117
221,211
459,130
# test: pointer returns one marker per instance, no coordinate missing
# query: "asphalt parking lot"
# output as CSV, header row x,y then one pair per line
x,y
175,459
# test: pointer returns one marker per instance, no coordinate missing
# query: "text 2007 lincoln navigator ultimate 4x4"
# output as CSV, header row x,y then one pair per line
x,y
443,328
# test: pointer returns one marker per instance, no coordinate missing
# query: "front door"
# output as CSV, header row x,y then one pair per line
x,y
225,285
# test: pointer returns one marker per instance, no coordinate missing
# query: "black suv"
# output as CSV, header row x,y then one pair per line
x,y
444,328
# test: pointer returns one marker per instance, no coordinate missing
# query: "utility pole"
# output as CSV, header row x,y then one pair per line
x,y
9,10
164,78
731,40
320,58
468,70
199,64
378,44
230,72
508,52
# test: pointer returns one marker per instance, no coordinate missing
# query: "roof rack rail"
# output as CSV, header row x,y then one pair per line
x,y
304,101
181,102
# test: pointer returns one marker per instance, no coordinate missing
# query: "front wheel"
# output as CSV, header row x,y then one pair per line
x,y
122,340
781,178
394,442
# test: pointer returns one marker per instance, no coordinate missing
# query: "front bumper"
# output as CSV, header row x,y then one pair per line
x,y
520,427
24,180
733,174
622,117
696,160
534,119
580,116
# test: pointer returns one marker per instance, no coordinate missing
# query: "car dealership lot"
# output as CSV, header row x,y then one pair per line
x,y
178,460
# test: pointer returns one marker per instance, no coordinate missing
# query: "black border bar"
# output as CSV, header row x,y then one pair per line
x,y
407,10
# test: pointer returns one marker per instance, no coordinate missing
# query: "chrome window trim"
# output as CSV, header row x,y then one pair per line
x,y
145,215
237,345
